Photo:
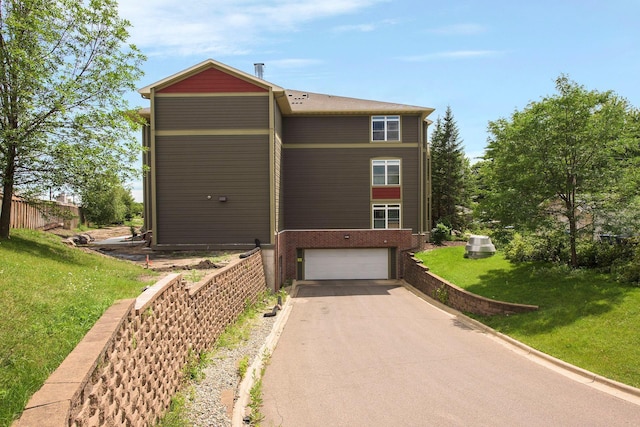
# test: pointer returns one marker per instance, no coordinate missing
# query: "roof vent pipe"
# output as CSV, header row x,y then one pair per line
x,y
259,69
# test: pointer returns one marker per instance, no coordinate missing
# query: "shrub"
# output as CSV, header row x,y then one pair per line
x,y
440,233
628,271
500,236
550,246
519,249
604,255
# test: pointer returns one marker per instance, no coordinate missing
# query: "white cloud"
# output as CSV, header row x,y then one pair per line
x,y
454,54
223,27
364,28
458,30
361,28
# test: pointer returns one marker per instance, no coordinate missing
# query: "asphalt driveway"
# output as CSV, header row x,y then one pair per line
x,y
371,353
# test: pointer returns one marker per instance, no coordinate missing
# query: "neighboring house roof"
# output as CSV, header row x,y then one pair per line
x,y
145,112
291,102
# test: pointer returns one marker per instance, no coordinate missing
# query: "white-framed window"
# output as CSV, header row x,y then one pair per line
x,y
385,128
385,172
386,216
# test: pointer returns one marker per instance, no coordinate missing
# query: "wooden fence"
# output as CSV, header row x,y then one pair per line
x,y
26,215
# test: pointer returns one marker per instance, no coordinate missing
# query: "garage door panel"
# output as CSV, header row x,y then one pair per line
x,y
331,264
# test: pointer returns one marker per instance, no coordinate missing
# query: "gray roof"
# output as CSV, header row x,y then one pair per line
x,y
295,102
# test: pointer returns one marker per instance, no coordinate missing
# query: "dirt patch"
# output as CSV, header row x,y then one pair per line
x,y
135,250
98,233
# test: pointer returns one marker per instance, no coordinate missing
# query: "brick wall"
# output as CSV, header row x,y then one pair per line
x,y
291,240
130,364
419,276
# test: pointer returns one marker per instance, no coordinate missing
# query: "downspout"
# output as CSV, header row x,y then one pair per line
x,y
152,149
272,167
427,176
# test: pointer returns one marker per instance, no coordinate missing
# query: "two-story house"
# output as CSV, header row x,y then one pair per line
x,y
329,187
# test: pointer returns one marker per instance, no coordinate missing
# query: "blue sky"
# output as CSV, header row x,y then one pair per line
x,y
484,58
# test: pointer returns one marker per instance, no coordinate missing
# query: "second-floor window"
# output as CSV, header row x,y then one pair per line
x,y
386,216
385,128
386,172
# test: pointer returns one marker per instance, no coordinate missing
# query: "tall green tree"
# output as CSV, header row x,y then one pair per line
x,y
65,66
106,201
449,172
559,158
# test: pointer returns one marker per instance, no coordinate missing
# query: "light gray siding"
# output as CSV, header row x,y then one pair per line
x,y
212,112
190,169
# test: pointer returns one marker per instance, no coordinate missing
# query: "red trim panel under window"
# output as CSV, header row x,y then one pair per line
x,y
385,193
211,81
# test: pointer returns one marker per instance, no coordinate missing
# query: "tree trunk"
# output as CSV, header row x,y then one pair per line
x,y
572,241
5,213
573,229
7,192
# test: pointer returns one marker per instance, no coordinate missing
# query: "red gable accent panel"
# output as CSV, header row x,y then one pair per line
x,y
212,80
385,193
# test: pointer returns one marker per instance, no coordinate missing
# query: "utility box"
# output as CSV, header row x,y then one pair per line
x,y
479,247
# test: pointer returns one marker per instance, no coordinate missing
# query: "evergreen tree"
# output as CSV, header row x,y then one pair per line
x,y
449,173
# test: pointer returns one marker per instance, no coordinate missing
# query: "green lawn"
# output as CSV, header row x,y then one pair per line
x,y
50,296
585,318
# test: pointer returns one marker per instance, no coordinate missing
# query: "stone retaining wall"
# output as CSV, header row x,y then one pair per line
x,y
130,364
419,276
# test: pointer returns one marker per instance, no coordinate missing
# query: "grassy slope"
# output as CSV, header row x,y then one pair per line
x,y
585,318
50,296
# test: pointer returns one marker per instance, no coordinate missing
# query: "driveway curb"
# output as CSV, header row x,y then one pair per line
x,y
254,372
615,388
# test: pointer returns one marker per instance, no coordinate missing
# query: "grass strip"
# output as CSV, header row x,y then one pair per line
x,y
50,296
233,336
585,318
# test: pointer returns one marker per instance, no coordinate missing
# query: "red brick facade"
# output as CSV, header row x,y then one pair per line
x,y
291,240
419,276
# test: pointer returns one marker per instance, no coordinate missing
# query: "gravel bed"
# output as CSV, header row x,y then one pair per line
x,y
205,408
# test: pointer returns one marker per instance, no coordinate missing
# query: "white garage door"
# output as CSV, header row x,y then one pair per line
x,y
329,264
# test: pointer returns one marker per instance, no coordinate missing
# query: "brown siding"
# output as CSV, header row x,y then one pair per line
x,y
214,112
341,129
331,188
279,197
327,130
410,196
410,129
146,179
189,169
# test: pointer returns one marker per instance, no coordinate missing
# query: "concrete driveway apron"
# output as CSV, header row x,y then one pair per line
x,y
367,353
